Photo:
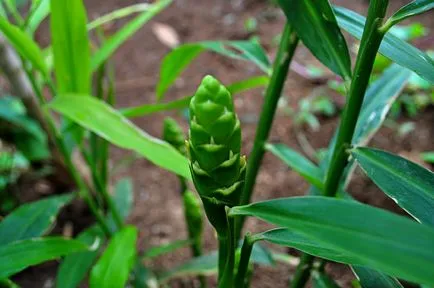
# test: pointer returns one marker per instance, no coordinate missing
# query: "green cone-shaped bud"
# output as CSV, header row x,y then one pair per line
x,y
173,134
194,219
216,165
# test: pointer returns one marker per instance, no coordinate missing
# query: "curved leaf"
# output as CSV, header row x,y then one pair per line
x,y
298,163
38,15
31,219
369,278
411,186
392,47
411,9
70,46
178,59
19,255
234,88
316,26
115,41
24,45
75,267
289,238
117,261
102,119
356,229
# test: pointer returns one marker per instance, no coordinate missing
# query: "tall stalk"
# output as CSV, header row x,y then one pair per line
x,y
287,46
369,45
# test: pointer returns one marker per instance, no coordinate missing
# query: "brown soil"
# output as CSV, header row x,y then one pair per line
x,y
157,211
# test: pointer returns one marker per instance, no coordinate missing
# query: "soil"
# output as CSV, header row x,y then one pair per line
x,y
157,209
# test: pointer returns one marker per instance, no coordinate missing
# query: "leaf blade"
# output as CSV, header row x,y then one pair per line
x,y
109,124
32,219
411,9
410,185
114,266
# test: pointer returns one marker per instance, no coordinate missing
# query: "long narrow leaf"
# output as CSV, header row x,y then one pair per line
x,y
114,266
115,41
38,15
234,88
298,163
179,58
24,45
369,278
356,229
75,267
316,26
411,9
19,255
411,186
392,47
70,44
102,119
32,219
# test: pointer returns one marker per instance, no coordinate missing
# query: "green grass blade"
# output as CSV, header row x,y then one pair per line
x,y
38,15
115,264
392,47
70,44
115,41
75,267
298,163
163,249
32,219
234,88
411,186
383,240
24,45
413,8
19,255
316,26
179,58
369,278
117,14
102,119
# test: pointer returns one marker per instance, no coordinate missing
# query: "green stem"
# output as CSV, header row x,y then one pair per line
x,y
243,266
369,45
227,246
286,50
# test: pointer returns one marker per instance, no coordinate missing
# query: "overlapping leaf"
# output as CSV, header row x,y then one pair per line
x,y
411,9
369,278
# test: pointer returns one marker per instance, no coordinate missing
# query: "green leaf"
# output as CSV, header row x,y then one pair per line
x,y
31,219
115,41
378,100
411,186
178,59
315,24
165,248
123,199
203,265
23,44
369,278
70,44
102,119
38,15
117,14
427,157
115,264
75,267
289,238
298,163
19,255
392,47
321,280
411,9
234,88
365,232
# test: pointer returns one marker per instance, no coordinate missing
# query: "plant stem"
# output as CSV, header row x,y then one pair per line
x,y
243,266
226,264
369,45
285,52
